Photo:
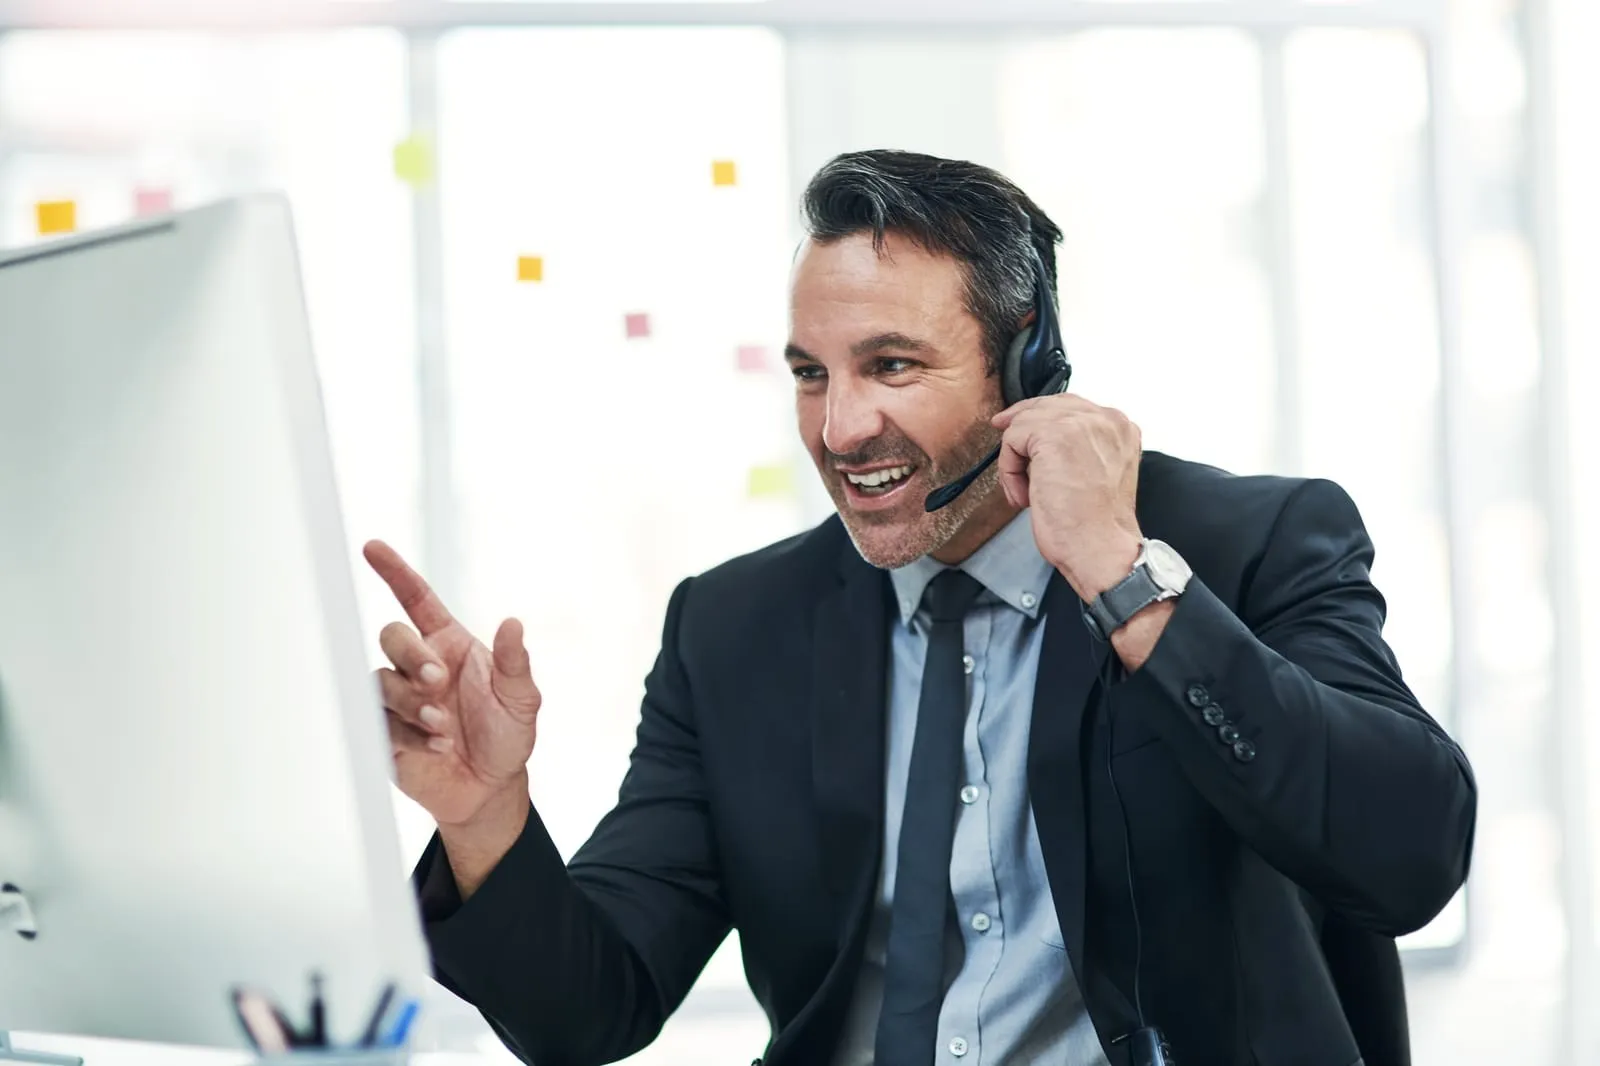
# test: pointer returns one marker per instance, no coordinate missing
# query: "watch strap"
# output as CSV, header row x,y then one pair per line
x,y
1111,609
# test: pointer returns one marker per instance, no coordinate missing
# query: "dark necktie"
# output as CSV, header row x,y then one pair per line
x,y
914,966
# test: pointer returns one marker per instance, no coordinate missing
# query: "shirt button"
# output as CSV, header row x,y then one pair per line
x,y
980,922
958,1047
1029,599
967,664
969,794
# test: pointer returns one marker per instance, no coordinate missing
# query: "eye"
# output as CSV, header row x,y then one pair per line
x,y
807,372
894,366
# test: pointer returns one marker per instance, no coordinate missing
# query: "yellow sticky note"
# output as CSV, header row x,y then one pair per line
x,y
413,160
767,481
530,268
57,216
723,172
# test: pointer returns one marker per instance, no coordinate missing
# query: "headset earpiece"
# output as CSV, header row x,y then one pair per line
x,y
1035,365
1011,368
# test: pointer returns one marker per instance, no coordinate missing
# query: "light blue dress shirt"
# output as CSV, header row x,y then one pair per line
x,y
1012,997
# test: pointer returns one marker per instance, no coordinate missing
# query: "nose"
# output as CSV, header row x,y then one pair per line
x,y
853,417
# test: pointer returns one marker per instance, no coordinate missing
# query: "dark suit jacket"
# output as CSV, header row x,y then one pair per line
x,y
1269,886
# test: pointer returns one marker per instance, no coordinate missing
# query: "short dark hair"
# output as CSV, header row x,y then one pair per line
x,y
965,210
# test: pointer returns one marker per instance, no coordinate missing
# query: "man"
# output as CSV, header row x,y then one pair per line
x,y
1212,824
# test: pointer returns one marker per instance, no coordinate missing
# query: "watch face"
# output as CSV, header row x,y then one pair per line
x,y
1167,566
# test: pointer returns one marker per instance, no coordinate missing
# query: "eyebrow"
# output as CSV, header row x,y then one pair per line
x,y
881,342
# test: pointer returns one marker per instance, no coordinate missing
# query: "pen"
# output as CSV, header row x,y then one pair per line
x,y
291,1036
369,1038
245,1022
319,1017
262,1024
402,1025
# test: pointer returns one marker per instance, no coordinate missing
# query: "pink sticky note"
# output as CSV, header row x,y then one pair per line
x,y
753,357
638,325
152,202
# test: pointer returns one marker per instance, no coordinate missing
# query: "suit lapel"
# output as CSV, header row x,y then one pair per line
x,y
1070,662
849,717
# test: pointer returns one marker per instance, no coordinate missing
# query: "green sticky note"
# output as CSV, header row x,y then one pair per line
x,y
413,160
769,481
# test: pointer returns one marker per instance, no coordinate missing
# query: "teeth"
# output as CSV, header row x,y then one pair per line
x,y
879,477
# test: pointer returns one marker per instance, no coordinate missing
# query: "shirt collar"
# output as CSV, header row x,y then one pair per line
x,y
1008,565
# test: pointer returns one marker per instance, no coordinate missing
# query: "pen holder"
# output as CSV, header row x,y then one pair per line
x,y
338,1057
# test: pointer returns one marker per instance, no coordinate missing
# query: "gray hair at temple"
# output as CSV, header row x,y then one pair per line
x,y
967,211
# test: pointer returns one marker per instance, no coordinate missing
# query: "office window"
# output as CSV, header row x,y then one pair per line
x,y
604,430
1163,284
1578,177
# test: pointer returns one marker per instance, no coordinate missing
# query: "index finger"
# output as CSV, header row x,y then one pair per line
x,y
426,611
1062,400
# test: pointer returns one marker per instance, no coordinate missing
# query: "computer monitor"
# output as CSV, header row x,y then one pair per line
x,y
194,769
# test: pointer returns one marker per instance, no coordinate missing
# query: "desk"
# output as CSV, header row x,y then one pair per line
x,y
126,1053
688,1040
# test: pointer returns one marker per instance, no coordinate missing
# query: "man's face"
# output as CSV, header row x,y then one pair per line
x,y
893,395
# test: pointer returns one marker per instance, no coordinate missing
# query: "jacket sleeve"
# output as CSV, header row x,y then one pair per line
x,y
1342,782
583,963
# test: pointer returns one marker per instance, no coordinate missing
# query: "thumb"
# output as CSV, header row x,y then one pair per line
x,y
513,674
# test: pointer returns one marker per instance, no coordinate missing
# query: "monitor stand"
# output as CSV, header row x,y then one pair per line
x,y
18,916
33,1058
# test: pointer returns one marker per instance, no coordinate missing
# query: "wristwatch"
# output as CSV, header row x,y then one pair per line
x,y
1159,573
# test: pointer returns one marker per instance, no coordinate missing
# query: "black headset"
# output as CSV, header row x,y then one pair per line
x,y
1036,364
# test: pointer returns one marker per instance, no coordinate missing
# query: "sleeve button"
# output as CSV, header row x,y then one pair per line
x,y
1213,715
1243,750
1227,733
1198,696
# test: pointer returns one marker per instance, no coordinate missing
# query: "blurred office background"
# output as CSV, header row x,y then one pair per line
x,y
546,247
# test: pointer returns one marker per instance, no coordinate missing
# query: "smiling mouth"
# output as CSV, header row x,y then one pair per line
x,y
877,484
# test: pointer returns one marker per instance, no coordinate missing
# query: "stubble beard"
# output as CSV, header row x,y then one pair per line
x,y
893,539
